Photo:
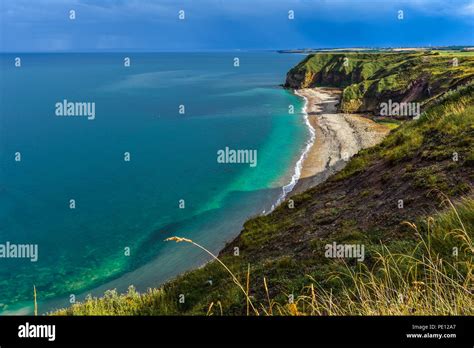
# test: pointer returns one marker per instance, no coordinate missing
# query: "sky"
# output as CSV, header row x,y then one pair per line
x,y
208,25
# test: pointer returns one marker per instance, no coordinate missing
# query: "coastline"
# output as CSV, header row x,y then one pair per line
x,y
314,166
299,167
288,235
334,138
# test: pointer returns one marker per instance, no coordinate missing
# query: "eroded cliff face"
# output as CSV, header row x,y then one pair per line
x,y
370,79
322,70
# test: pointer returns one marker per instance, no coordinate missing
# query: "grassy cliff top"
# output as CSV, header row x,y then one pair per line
x,y
369,78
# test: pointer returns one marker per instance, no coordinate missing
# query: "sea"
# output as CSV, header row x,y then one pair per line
x,y
98,194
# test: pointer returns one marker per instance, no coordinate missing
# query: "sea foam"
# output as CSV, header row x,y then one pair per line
x,y
299,164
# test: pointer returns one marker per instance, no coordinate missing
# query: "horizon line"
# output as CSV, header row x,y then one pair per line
x,y
232,50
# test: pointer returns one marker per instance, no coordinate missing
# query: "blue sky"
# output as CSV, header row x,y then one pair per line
x,y
153,25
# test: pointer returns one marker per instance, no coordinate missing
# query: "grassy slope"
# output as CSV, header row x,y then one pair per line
x,y
285,249
368,78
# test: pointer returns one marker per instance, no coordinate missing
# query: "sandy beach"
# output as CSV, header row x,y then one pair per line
x,y
337,136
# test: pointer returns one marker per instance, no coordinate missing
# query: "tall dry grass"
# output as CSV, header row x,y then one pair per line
x,y
426,281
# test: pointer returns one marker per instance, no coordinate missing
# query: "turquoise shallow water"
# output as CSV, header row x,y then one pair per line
x,y
134,204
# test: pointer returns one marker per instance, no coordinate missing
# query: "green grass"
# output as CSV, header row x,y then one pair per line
x,y
449,123
454,53
367,78
390,124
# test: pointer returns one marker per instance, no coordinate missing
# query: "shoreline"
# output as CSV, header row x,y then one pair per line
x,y
334,138
313,152
299,167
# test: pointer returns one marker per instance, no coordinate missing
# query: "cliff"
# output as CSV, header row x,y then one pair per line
x,y
368,79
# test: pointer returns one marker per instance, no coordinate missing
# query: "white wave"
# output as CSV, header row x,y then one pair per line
x,y
299,165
